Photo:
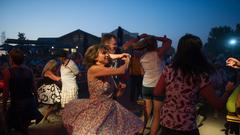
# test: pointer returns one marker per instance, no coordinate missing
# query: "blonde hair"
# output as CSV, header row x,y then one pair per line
x,y
49,66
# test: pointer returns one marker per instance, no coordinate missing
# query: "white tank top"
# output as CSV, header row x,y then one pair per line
x,y
153,67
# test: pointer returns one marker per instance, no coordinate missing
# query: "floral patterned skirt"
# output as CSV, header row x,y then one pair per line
x,y
49,94
102,116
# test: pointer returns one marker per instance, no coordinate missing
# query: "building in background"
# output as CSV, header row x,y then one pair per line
x,y
76,41
122,35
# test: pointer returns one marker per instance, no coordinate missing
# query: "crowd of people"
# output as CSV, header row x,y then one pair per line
x,y
170,90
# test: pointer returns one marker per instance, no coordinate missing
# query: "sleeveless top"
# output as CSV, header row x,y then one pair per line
x,y
101,88
153,67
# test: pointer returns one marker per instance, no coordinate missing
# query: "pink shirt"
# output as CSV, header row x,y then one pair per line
x,y
179,108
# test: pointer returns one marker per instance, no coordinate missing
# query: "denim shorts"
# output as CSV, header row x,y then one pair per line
x,y
147,93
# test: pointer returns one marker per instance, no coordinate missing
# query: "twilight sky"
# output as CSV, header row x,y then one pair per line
x,y
174,18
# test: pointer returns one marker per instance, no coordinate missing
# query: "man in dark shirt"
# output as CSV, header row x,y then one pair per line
x,y
19,85
110,41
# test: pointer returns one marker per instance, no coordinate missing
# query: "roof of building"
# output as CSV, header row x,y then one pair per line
x,y
78,31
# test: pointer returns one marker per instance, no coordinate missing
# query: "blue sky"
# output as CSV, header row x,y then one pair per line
x,y
174,18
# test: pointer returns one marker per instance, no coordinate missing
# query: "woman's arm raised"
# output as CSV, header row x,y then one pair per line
x,y
97,71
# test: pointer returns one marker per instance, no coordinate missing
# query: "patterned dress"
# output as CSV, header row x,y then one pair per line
x,y
99,115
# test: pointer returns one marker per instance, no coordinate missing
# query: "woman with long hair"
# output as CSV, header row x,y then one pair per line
x,y
152,61
181,83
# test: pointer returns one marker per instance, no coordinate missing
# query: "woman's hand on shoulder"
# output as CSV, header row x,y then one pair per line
x,y
126,58
125,55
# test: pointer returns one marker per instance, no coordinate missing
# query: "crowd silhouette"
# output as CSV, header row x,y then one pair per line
x,y
167,89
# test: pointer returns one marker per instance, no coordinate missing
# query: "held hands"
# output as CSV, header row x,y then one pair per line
x,y
139,42
131,42
164,39
233,62
126,57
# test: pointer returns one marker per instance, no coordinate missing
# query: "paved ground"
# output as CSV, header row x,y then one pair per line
x,y
211,126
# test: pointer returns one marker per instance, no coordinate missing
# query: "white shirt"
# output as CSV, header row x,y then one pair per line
x,y
153,67
68,75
